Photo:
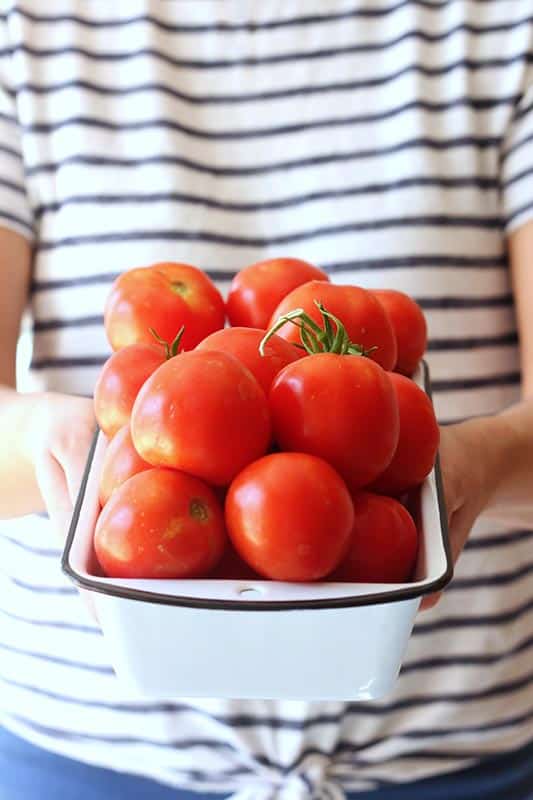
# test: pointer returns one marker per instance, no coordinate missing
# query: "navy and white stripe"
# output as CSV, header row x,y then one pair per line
x,y
391,143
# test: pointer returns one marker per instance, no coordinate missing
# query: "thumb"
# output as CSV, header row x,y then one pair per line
x,y
52,484
460,526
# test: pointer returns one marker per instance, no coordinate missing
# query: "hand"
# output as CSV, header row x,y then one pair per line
x,y
469,475
58,438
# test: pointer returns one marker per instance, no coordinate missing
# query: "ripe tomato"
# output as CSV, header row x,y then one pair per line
x,y
340,408
243,343
204,413
364,318
160,524
289,515
256,290
163,297
119,382
383,545
418,443
121,461
409,324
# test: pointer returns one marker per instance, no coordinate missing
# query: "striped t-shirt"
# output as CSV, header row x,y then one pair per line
x,y
389,142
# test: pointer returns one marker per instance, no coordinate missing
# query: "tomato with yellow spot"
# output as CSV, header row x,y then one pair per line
x,y
160,523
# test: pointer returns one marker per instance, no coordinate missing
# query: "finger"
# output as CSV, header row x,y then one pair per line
x,y
74,463
460,527
53,487
430,601
52,483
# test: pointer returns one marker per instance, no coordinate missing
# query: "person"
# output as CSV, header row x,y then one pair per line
x,y
389,142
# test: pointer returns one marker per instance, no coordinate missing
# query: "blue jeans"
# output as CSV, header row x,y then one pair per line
x,y
30,773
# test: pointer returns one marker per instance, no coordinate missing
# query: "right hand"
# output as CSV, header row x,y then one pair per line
x,y
58,439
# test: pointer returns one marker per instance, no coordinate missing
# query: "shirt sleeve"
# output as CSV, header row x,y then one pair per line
x,y
517,163
15,208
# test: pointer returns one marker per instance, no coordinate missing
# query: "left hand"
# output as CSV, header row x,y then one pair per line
x,y
468,475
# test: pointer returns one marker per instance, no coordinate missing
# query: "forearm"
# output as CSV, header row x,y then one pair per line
x,y
505,448
515,487
19,492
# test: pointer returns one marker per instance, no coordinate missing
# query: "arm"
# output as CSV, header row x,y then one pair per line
x,y
499,480
514,487
509,436
521,255
19,492
44,437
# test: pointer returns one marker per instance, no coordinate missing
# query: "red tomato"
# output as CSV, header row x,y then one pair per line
x,y
163,297
289,515
121,461
160,524
340,408
384,542
363,316
409,324
119,382
256,290
204,413
418,443
243,343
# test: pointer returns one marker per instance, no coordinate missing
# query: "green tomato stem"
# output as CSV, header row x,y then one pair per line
x,y
171,349
332,337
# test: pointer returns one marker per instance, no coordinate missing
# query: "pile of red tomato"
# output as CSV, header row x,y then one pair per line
x,y
279,447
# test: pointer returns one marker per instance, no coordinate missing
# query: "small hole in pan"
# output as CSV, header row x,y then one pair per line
x,y
249,592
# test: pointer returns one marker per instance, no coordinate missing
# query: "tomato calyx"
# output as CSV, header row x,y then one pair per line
x,y
171,349
332,337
